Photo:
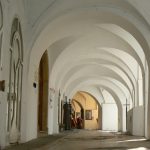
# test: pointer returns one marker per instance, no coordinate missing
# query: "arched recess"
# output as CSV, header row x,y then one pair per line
x,y
120,117
82,83
95,92
15,82
43,94
89,102
99,119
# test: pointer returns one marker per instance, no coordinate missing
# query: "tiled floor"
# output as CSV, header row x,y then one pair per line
x,y
86,140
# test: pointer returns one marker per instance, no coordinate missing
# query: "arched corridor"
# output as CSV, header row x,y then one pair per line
x,y
65,61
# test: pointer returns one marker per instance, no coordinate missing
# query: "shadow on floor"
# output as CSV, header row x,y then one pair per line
x,y
37,143
107,148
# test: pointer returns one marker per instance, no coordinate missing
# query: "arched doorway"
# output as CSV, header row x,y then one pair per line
x,y
87,107
43,95
99,118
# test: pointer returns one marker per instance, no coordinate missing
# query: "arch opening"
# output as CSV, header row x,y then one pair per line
x,y
43,95
86,111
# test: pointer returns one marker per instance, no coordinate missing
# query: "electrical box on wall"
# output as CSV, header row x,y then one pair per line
x,y
34,85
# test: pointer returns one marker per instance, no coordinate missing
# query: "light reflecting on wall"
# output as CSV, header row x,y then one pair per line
x,y
139,148
132,140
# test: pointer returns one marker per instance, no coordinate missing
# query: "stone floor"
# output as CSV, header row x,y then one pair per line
x,y
86,140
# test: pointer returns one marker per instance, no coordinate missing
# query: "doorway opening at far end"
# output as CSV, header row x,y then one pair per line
x,y
43,96
86,112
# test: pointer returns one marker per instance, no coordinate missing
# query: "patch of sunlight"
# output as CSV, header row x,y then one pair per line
x,y
139,148
132,140
107,131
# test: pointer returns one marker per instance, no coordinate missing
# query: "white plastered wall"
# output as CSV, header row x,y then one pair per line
x,y
11,9
43,39
136,121
110,117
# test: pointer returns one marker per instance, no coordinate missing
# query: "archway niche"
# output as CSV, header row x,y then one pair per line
x,y
43,95
87,107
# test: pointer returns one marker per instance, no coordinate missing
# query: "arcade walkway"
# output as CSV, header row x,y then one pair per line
x,y
86,140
